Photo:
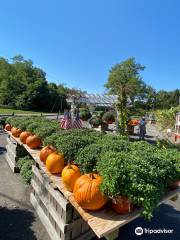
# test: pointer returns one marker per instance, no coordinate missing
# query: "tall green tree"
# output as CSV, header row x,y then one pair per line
x,y
24,86
125,81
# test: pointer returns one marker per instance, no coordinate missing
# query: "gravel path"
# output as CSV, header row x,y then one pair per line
x,y
18,220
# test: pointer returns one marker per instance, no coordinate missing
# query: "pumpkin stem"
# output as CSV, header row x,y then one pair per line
x,y
91,175
69,163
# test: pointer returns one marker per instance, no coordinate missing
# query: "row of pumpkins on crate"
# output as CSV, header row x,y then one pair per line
x,y
84,187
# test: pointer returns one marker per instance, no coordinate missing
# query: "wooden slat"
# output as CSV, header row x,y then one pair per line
x,y
59,198
63,227
47,224
11,163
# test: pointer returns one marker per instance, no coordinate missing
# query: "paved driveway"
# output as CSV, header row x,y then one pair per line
x,y
18,220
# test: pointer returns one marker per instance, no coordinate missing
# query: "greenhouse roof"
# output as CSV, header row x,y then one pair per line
x,y
94,99
99,99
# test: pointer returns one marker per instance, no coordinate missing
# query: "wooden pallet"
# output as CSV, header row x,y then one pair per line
x,y
103,222
59,217
14,150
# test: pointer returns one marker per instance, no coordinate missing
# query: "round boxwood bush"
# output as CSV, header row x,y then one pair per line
x,y
85,115
108,117
95,121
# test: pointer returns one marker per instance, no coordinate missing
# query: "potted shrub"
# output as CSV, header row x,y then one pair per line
x,y
127,175
95,122
108,117
85,115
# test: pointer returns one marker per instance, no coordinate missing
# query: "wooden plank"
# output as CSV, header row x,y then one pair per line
x,y
11,163
106,221
63,227
47,224
58,196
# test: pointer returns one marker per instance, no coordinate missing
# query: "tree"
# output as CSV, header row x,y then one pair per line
x,y
24,86
125,81
166,100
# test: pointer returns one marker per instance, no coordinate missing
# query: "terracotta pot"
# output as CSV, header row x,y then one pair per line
x,y
122,205
174,185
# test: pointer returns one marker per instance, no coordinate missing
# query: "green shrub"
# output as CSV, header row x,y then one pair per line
x,y
87,157
131,176
85,115
108,117
166,118
46,129
26,171
165,143
95,121
70,145
51,140
21,161
25,166
98,114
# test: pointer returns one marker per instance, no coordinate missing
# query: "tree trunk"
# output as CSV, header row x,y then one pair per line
x,y
122,113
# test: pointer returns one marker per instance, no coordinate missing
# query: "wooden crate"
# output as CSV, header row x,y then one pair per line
x,y
13,152
59,217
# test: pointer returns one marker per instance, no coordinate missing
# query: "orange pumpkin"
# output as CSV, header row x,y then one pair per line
x,y
45,152
8,127
33,142
23,136
69,176
55,162
133,122
87,193
122,205
16,131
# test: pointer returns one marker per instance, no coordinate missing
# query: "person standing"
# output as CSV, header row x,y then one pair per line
x,y
142,128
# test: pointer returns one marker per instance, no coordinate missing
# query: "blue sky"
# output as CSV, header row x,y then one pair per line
x,y
77,42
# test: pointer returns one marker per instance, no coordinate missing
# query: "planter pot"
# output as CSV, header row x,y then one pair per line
x,y
174,185
130,129
95,126
122,205
104,127
109,121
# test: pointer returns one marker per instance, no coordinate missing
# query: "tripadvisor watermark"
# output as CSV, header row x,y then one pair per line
x,y
139,231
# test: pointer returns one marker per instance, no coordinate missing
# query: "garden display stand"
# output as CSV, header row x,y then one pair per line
x,y
63,218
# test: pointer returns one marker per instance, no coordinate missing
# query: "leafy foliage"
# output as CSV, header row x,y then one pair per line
x,y
95,121
85,114
26,171
24,86
108,116
166,118
25,166
125,81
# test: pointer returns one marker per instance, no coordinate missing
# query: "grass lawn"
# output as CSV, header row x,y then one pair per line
x,y
10,111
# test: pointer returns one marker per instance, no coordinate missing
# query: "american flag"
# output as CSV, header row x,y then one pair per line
x,y
66,121
77,121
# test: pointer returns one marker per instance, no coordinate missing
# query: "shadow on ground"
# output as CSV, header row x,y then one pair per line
x,y
15,224
2,150
166,216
